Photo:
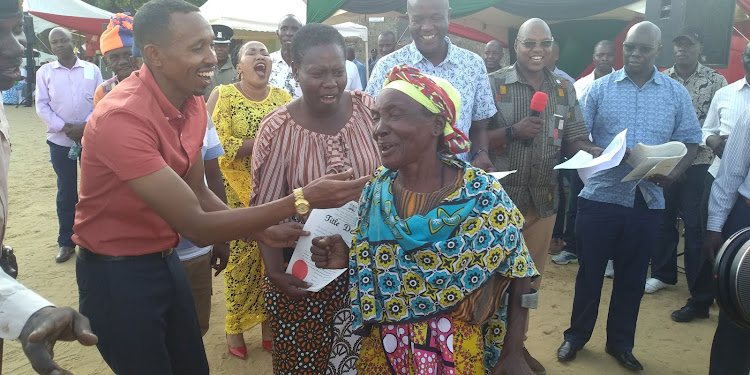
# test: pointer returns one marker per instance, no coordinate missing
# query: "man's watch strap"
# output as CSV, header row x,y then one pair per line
x,y
509,133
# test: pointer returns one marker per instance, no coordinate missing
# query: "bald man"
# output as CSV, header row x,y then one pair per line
x,y
493,56
620,220
532,145
64,102
433,53
281,68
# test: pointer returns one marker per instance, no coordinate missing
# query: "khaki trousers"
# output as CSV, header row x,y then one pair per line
x,y
537,233
198,272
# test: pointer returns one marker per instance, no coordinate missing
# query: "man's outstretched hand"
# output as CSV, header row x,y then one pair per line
x,y
44,328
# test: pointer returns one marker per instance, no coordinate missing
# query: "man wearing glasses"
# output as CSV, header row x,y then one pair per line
x,y
620,220
532,144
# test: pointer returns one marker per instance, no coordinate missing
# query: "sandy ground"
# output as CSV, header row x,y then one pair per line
x,y
664,347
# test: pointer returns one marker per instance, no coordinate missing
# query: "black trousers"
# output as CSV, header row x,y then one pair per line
x,y
142,310
730,352
682,199
626,235
576,185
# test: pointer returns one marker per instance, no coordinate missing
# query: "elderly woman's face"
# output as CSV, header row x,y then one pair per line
x,y
404,130
322,76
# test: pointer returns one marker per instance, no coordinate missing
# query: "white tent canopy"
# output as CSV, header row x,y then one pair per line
x,y
352,30
252,19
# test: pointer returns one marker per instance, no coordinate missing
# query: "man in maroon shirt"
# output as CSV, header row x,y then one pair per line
x,y
142,184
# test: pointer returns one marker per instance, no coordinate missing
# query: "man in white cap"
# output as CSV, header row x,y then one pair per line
x,y
224,71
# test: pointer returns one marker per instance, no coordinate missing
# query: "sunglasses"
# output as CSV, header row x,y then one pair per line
x,y
530,44
645,49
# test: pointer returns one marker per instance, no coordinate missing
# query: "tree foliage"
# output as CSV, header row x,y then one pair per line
x,y
128,5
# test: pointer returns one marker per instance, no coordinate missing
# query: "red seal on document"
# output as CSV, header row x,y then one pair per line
x,y
299,269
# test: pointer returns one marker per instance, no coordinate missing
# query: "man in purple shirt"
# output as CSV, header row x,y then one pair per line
x,y
65,99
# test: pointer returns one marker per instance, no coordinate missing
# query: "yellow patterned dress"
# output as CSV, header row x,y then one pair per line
x,y
237,119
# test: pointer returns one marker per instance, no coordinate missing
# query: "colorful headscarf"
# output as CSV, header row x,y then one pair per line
x,y
119,33
435,94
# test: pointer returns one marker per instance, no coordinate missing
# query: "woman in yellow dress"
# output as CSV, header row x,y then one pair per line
x,y
237,110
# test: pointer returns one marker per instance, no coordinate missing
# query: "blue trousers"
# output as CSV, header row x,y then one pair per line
x,y
142,310
730,352
66,170
610,231
683,199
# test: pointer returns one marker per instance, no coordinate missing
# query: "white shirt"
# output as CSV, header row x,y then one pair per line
x,y
464,69
733,179
582,84
282,76
726,108
17,304
352,77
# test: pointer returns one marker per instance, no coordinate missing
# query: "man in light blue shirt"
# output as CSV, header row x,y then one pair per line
x,y
729,212
620,220
198,261
434,54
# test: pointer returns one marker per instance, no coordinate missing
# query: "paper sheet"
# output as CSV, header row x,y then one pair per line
x,y
327,222
587,164
501,175
648,161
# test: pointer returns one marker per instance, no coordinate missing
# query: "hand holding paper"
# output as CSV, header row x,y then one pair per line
x,y
587,164
322,223
649,161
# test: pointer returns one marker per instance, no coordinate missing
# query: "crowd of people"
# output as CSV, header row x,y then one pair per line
x,y
195,157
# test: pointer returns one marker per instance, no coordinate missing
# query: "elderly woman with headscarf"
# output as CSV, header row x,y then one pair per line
x,y
438,269
116,45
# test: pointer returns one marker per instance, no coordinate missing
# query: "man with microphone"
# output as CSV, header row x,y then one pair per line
x,y
537,119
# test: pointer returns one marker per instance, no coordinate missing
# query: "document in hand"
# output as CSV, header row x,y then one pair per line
x,y
648,161
343,221
501,175
587,164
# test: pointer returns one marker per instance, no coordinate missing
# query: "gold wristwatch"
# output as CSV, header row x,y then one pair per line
x,y
300,203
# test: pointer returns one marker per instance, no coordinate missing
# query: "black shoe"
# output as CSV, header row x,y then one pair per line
x,y
64,253
689,312
626,359
567,352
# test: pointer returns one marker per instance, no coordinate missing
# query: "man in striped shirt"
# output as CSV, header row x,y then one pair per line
x,y
729,212
532,144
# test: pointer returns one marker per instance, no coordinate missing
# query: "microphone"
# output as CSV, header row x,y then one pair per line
x,y
538,102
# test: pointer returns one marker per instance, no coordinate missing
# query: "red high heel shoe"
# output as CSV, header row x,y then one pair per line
x,y
267,345
240,352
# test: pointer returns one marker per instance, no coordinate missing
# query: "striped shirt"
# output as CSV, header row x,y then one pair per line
x,y
733,180
726,109
287,156
535,183
702,85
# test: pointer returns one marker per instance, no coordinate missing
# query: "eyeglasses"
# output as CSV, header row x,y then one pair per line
x,y
631,47
530,44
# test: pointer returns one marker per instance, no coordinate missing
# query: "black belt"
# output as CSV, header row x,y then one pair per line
x,y
87,254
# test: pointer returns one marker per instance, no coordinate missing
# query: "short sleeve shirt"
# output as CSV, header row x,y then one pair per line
x,y
464,69
282,76
702,86
658,112
534,185
132,134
